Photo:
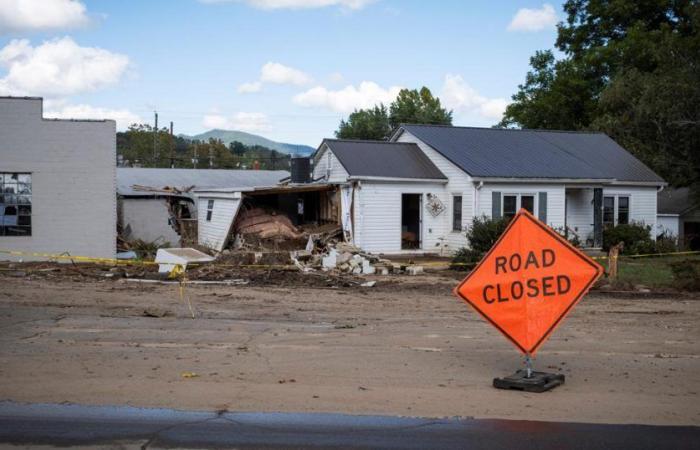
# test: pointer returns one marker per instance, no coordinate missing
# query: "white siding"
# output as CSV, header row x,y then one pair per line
x,y
214,233
579,214
378,216
555,199
147,218
459,183
323,161
72,164
668,224
642,202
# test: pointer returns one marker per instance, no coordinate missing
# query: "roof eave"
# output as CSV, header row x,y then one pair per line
x,y
395,179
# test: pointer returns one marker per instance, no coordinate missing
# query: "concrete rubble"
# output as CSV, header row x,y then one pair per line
x,y
346,258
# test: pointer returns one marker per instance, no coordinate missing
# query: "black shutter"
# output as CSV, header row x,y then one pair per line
x,y
542,207
495,205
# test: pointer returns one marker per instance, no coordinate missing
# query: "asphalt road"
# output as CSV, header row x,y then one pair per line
x,y
75,425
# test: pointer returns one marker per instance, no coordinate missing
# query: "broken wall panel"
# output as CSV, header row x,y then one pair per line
x,y
216,214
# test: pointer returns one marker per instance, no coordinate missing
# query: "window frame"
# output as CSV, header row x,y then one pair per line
x,y
457,221
518,201
616,209
21,202
210,209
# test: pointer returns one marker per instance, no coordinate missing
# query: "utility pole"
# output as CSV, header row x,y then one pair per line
x,y
172,158
155,140
211,156
195,160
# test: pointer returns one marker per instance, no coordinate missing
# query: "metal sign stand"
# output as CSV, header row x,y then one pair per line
x,y
529,380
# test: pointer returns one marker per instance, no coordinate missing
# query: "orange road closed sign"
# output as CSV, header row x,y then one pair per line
x,y
529,280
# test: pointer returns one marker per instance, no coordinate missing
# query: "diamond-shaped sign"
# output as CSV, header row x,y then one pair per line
x,y
529,280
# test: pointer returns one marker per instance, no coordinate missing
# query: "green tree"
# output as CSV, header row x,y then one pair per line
x,y
630,69
414,106
410,106
372,123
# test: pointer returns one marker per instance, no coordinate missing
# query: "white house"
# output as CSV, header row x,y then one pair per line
x,y
57,182
420,191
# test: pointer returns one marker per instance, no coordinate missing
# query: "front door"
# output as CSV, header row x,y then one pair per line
x,y
411,221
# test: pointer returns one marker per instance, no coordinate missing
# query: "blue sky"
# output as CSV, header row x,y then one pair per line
x,y
285,69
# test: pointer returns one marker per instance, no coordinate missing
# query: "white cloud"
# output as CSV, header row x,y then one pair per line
x,y
336,77
242,121
348,98
459,96
249,88
56,68
275,73
527,19
38,15
298,4
123,117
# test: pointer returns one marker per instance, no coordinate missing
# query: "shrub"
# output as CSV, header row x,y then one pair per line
x,y
481,235
666,243
484,232
636,237
569,234
686,274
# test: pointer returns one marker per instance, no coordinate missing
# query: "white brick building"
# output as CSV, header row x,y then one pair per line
x,y
57,182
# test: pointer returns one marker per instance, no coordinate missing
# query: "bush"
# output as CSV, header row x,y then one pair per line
x,y
570,235
686,274
481,235
636,237
484,232
666,243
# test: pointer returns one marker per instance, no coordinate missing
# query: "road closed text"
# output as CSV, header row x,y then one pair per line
x,y
531,287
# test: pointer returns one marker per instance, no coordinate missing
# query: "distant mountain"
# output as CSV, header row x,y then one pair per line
x,y
228,136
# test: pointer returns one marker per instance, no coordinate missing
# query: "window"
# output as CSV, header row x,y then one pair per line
x,y
528,202
623,210
510,206
616,216
456,213
608,211
210,209
15,204
512,203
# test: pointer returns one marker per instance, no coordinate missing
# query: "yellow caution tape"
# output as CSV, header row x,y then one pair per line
x,y
90,259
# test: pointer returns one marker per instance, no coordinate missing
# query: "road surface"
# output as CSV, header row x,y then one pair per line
x,y
30,425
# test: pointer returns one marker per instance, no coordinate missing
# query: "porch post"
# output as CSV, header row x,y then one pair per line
x,y
598,217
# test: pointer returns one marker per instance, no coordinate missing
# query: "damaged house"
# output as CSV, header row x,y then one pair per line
x,y
421,190
159,205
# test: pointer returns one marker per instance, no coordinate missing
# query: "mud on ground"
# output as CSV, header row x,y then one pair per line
x,y
404,347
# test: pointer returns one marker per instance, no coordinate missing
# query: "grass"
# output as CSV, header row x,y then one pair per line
x,y
649,271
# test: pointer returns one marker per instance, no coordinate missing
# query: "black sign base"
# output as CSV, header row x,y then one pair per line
x,y
538,381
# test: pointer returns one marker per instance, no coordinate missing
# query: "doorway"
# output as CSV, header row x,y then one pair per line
x,y
411,221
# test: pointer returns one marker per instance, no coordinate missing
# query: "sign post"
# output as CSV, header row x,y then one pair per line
x,y
525,286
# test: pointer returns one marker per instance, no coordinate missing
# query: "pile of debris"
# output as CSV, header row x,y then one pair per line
x,y
346,258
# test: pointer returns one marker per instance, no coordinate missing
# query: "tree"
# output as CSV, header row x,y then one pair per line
x,y
556,95
410,106
630,69
418,107
370,123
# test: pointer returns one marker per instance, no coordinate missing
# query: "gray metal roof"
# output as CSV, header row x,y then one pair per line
x,y
507,153
199,178
383,159
676,201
